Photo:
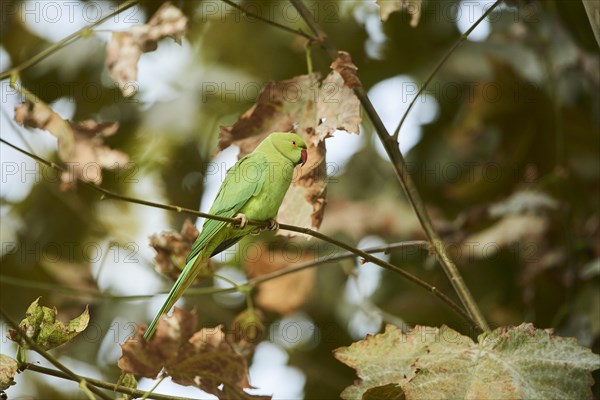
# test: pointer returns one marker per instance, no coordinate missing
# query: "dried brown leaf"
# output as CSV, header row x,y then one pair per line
x,y
172,249
80,144
39,115
91,154
413,7
344,66
8,370
314,110
125,48
203,359
289,292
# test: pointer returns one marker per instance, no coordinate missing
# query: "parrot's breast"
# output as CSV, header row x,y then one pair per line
x,y
265,204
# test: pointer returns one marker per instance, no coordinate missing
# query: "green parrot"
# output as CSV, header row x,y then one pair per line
x,y
253,189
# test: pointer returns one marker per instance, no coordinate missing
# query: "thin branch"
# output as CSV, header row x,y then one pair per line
x,y
456,44
69,291
299,32
393,151
101,384
292,228
336,257
64,42
37,348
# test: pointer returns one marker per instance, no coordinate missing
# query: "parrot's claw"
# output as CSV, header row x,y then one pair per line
x,y
243,221
272,225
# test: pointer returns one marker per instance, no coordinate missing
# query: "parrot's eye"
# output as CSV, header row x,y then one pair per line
x,y
294,142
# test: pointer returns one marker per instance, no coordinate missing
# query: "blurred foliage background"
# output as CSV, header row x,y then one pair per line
x,y
504,148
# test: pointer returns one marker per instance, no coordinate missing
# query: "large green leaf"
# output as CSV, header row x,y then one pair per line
x,y
438,363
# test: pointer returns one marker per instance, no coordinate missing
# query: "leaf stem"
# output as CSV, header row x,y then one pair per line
x,y
292,228
64,42
153,388
37,348
393,151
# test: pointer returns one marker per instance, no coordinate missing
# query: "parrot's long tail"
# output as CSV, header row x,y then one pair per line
x,y
187,276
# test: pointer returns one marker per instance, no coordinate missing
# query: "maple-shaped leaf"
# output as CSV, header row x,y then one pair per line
x,y
172,249
413,7
287,293
41,325
8,370
125,48
80,144
312,108
431,363
203,359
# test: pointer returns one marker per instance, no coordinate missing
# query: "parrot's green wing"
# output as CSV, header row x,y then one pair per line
x,y
238,187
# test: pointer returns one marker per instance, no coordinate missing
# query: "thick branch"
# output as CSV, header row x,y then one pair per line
x,y
38,349
393,151
292,228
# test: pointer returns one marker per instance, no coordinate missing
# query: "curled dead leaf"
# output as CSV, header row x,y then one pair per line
x,y
8,369
80,144
344,66
39,115
125,48
91,154
203,359
172,248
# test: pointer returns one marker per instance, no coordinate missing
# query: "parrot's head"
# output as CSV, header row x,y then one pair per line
x,y
290,145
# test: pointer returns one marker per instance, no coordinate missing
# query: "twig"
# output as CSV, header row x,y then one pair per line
x,y
37,348
456,44
336,257
62,43
292,228
101,384
270,22
65,290
393,151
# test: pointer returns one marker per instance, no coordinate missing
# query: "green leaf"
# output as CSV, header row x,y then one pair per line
x,y
127,380
8,369
41,325
508,363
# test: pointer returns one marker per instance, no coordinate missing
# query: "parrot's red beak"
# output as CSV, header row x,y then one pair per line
x,y
304,156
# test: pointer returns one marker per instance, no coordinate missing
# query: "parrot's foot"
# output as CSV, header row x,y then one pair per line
x,y
272,225
243,221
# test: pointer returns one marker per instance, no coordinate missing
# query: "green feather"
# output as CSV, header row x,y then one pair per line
x,y
254,186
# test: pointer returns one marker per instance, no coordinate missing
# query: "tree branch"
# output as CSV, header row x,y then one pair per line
x,y
393,151
292,228
456,44
64,42
268,21
101,384
38,349
68,291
